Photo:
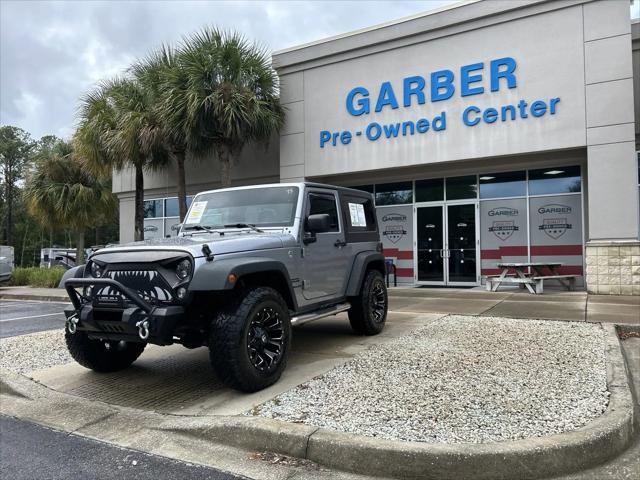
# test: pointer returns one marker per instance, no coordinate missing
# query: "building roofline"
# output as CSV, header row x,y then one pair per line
x,y
408,18
451,19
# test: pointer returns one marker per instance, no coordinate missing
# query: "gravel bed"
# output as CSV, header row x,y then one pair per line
x,y
35,351
461,380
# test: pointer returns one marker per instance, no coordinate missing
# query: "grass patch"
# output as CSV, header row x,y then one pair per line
x,y
37,277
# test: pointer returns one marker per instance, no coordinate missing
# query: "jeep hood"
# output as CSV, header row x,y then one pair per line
x,y
230,242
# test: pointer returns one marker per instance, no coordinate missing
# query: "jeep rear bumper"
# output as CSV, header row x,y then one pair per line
x,y
121,316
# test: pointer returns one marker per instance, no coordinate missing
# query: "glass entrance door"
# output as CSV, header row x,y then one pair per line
x,y
446,244
461,244
430,244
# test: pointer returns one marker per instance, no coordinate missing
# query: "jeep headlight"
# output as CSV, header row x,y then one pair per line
x,y
96,270
183,269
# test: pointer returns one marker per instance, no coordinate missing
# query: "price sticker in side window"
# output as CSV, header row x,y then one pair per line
x,y
356,211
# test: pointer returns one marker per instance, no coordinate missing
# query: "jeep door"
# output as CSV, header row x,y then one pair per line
x,y
327,257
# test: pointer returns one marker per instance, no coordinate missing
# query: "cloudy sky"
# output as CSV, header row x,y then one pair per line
x,y
53,52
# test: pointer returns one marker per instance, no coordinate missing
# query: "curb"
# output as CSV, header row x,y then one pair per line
x,y
600,440
39,298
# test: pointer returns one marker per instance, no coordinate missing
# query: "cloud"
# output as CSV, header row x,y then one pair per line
x,y
53,52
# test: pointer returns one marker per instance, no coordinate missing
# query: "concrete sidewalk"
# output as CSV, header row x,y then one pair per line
x,y
554,304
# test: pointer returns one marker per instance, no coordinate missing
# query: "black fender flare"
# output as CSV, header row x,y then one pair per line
x,y
75,272
215,275
360,265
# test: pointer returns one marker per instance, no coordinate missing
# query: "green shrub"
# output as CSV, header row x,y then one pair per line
x,y
37,277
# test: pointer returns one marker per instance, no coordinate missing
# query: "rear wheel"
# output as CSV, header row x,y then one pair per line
x,y
368,312
102,355
249,343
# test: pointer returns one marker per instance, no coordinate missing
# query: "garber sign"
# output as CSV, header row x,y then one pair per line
x,y
442,85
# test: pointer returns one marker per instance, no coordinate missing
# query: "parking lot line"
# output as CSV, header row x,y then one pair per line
x,y
31,316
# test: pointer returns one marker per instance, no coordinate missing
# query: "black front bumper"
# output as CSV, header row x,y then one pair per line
x,y
118,317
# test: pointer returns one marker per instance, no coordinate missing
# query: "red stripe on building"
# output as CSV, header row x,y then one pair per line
x,y
556,250
399,254
497,254
404,272
490,271
565,270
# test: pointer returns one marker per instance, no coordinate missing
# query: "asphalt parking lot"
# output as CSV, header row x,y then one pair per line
x,y
19,317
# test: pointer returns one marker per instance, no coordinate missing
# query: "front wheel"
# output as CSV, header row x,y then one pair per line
x,y
368,312
249,343
102,355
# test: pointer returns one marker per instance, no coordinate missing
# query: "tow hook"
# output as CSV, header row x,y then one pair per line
x,y
143,329
72,323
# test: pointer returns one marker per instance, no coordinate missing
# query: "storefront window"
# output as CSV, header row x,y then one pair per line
x,y
394,193
364,188
431,190
503,185
554,180
153,208
459,188
171,206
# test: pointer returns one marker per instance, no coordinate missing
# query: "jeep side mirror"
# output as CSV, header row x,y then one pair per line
x,y
318,223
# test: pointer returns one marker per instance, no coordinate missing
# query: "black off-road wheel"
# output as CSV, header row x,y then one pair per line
x,y
368,312
102,355
249,342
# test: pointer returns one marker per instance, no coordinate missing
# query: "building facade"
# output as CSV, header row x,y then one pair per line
x,y
488,131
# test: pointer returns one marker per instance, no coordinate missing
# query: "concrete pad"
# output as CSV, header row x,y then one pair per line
x,y
615,300
452,305
574,311
180,381
613,313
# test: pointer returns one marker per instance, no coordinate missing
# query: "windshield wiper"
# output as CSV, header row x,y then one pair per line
x,y
206,228
243,225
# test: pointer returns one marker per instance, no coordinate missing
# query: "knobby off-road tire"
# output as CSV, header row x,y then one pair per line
x,y
102,355
368,312
249,342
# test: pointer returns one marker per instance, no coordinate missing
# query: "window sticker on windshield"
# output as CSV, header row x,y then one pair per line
x,y
195,214
357,215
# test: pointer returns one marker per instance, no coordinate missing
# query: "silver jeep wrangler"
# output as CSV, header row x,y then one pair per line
x,y
247,265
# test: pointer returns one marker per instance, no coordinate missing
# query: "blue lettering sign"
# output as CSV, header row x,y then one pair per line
x,y
363,103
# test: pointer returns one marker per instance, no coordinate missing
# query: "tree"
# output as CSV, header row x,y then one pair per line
x,y
62,193
221,94
157,74
15,150
119,128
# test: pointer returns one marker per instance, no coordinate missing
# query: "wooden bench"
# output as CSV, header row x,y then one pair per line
x,y
533,283
567,281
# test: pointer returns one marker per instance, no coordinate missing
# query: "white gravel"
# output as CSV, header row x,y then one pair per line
x,y
461,379
35,351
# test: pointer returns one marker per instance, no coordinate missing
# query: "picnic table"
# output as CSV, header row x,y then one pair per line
x,y
530,275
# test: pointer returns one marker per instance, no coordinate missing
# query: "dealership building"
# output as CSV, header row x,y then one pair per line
x,y
488,132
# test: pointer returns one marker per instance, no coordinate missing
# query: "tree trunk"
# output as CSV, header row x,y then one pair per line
x,y
8,194
225,167
80,247
139,206
182,187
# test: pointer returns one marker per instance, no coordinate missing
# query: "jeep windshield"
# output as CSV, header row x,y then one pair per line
x,y
250,207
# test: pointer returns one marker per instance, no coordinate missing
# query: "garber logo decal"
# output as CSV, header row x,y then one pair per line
x,y
555,227
394,232
554,208
503,229
394,217
503,211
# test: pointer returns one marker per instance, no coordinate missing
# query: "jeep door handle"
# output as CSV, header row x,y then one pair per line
x,y
340,243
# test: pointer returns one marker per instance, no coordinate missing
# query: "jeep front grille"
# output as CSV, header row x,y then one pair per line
x,y
149,285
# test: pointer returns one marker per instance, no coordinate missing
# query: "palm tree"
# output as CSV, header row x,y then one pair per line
x,y
157,74
119,128
221,94
61,193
